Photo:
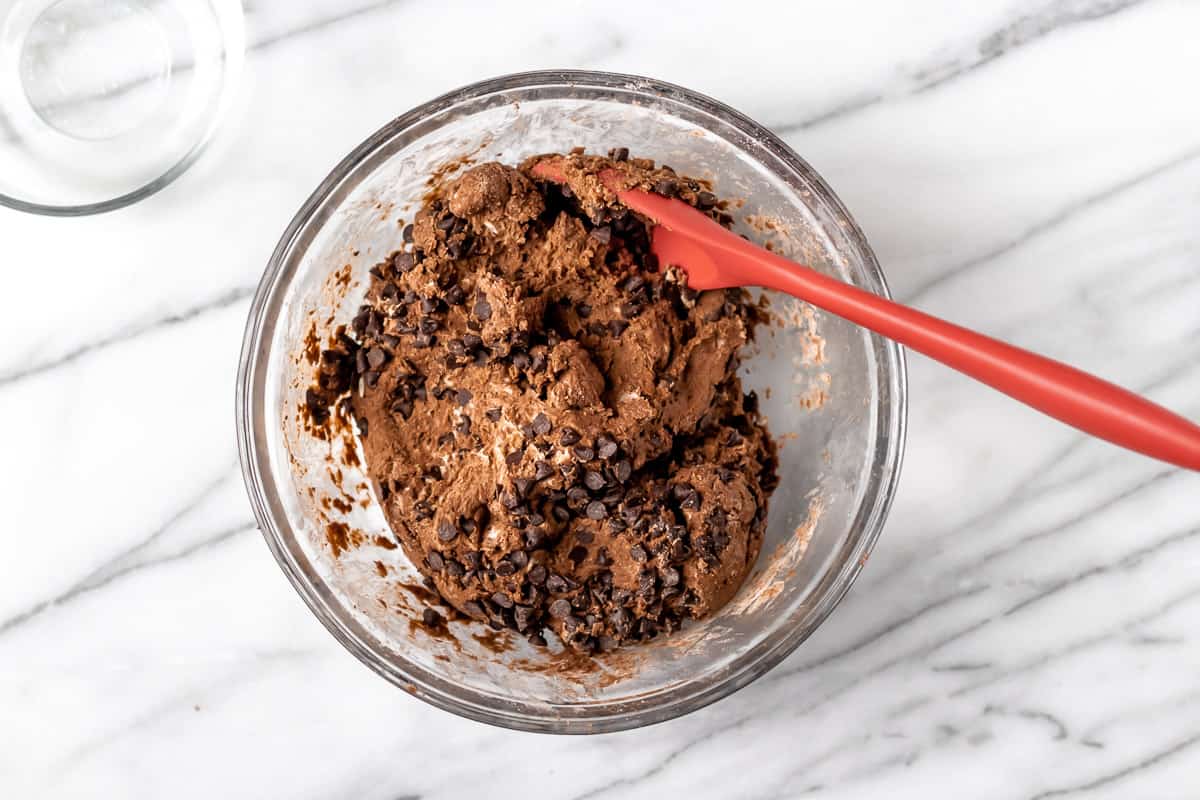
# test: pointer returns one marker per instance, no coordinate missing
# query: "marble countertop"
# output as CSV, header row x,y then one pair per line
x,y
1026,627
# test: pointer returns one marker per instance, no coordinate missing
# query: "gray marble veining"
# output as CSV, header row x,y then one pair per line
x,y
1026,626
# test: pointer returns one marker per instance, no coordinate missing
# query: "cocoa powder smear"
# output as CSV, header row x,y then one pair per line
x,y
554,425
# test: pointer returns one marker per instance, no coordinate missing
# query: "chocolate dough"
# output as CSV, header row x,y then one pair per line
x,y
553,424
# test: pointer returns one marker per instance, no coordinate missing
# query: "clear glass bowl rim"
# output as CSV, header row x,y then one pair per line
x,y
252,421
234,54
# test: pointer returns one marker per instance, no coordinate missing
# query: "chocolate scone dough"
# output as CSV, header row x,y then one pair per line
x,y
554,425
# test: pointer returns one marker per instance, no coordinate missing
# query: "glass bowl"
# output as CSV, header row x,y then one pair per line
x,y
833,393
104,102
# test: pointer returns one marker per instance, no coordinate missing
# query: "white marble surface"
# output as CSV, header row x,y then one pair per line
x,y
1027,625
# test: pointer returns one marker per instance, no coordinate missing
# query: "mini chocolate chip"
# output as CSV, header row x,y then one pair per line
x,y
724,474
577,554
435,561
572,623
616,327
431,618
692,501
403,262
534,537
446,531
623,470
537,574
502,600
522,617
560,514
492,414
423,341
542,425
638,553
372,378
584,453
670,576
429,305
593,480
360,360
536,519
482,309
619,154
666,187
630,309
556,583
568,437
521,485
376,358
584,310
374,324
542,470
560,608
606,448
454,569
596,510
505,568
407,234
521,360
519,558
428,325
584,536
577,494
602,234
462,397
706,199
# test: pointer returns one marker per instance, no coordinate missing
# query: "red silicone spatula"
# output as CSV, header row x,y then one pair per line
x,y
715,258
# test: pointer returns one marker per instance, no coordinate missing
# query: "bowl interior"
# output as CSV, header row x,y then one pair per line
x,y
832,394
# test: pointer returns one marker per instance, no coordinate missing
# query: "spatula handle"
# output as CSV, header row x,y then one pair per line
x,y
714,257
1088,403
